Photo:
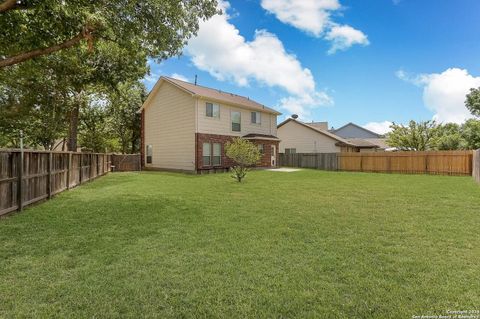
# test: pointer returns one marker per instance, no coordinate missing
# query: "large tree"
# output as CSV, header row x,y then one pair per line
x,y
120,35
473,101
125,102
471,134
417,136
159,28
449,137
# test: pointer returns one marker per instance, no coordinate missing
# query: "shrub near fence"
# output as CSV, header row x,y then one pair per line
x,y
44,174
445,162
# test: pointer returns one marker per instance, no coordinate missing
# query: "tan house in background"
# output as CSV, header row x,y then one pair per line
x,y
300,137
185,127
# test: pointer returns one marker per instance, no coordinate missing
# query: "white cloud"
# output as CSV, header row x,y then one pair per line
x,y
315,18
379,127
344,36
180,77
220,50
303,105
445,93
310,16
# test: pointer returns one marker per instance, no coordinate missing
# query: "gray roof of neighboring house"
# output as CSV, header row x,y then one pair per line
x,y
352,130
355,142
319,125
217,95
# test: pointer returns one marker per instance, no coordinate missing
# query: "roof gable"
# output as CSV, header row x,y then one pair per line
x,y
326,133
212,94
352,130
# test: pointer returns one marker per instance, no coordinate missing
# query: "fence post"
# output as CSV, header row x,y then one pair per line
x,y
69,168
80,177
20,181
91,166
49,175
361,163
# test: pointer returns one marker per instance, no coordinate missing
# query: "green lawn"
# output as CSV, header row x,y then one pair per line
x,y
303,244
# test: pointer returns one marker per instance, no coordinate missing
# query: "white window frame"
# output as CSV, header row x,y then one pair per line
x,y
219,155
215,110
258,118
209,154
231,121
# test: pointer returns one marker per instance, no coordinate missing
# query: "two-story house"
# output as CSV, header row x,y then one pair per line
x,y
185,127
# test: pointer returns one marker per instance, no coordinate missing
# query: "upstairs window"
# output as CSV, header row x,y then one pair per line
x,y
212,110
149,154
256,117
236,121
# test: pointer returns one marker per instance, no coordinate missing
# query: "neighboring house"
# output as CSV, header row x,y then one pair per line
x,y
299,137
185,127
354,132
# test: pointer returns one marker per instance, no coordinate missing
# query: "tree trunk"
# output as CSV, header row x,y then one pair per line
x,y
7,5
73,129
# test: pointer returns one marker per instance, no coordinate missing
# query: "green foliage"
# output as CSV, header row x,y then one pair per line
x,y
414,137
125,119
471,134
95,129
430,136
473,101
155,28
449,137
39,108
244,154
43,95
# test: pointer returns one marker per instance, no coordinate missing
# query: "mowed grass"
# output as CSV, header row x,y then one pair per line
x,y
303,244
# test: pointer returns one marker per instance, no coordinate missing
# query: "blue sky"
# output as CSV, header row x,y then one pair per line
x,y
371,62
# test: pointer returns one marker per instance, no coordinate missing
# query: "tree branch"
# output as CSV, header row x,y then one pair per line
x,y
7,5
85,34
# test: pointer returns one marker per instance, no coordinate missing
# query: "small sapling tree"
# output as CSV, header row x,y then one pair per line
x,y
244,154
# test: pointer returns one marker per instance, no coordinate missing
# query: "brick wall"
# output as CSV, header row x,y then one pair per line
x,y
265,161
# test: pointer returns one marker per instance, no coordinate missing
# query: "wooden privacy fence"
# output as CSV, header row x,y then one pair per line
x,y
444,162
126,162
36,175
476,165
323,161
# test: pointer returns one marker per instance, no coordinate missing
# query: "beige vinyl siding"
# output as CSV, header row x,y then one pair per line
x,y
170,128
305,140
223,124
